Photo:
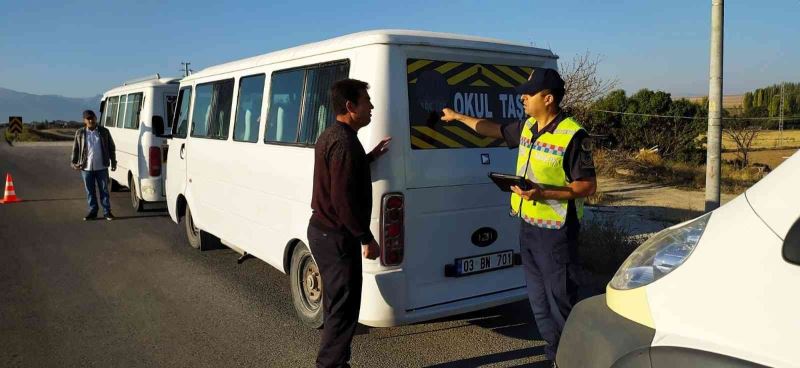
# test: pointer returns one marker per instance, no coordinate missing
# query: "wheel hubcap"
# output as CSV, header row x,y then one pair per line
x,y
312,285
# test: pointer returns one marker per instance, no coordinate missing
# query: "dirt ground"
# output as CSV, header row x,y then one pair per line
x,y
646,208
773,158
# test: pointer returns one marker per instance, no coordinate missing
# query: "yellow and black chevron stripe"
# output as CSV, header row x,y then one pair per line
x,y
475,75
461,74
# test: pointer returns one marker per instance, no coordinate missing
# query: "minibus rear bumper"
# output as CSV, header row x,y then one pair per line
x,y
384,299
152,190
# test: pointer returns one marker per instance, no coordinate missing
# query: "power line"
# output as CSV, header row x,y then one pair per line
x,y
785,118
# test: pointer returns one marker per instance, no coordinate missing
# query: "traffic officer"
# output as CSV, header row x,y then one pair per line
x,y
555,156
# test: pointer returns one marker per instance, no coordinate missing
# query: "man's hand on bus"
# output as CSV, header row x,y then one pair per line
x,y
449,115
381,148
371,250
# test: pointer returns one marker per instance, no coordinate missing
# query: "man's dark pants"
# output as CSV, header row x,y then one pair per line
x,y
339,259
97,178
550,260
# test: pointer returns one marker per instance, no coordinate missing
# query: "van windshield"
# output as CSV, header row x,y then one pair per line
x,y
480,90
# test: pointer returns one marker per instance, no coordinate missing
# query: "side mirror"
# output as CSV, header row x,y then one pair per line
x,y
158,127
791,244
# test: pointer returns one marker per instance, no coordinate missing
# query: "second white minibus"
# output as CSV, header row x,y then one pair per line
x,y
130,113
241,155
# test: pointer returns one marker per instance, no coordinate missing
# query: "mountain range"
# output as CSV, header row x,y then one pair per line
x,y
44,107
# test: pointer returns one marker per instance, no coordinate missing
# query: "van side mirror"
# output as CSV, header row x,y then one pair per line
x,y
158,127
791,244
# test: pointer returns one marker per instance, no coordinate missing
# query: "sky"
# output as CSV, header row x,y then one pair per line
x,y
83,48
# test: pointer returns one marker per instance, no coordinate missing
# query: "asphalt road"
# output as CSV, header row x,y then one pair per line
x,y
132,293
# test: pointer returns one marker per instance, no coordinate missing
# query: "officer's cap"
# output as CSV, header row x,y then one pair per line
x,y
539,80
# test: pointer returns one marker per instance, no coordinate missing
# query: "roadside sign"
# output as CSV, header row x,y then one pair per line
x,y
15,124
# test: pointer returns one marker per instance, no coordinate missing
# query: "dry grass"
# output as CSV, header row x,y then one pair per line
x,y
646,166
768,139
604,245
32,135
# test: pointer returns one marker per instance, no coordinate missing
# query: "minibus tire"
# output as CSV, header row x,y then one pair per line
x,y
307,303
193,234
136,202
113,186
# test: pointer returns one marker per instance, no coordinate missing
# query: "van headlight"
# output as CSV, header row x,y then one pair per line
x,y
660,254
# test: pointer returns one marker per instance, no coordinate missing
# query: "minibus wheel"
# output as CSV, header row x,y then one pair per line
x,y
136,203
113,186
306,285
192,232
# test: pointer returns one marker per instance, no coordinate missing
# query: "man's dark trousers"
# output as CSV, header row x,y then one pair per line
x,y
339,259
550,260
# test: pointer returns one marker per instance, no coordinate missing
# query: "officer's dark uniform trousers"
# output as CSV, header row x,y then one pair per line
x,y
549,258
339,258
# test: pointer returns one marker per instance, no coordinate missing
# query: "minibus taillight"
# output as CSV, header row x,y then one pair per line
x,y
155,161
392,229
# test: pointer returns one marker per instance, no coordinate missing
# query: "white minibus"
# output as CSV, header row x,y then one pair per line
x,y
130,112
241,155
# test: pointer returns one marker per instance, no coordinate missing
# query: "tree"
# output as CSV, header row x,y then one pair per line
x,y
606,124
649,119
583,85
742,132
747,102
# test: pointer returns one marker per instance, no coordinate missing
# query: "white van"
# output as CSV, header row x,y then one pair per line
x,y
717,291
130,112
241,171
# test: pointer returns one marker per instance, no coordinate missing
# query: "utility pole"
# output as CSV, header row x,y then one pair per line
x,y
780,122
714,144
186,70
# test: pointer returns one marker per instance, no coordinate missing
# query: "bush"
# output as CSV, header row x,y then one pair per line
x,y
603,246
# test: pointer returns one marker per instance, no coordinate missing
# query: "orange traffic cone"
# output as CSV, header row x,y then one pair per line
x,y
10,196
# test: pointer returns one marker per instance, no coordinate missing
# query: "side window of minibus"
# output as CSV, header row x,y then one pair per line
x,y
111,111
286,89
202,104
170,103
317,111
133,110
212,108
248,109
181,123
791,244
123,101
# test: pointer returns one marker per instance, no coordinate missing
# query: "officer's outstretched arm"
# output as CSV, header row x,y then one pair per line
x,y
484,127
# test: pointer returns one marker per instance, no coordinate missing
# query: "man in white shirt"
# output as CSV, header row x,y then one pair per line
x,y
93,152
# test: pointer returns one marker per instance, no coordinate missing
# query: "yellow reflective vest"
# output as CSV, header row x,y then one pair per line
x,y
542,162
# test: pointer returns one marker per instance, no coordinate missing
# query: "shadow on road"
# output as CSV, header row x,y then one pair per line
x,y
53,199
120,218
497,358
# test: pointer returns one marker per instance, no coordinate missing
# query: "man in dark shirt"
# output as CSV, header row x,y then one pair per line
x,y
338,232
548,242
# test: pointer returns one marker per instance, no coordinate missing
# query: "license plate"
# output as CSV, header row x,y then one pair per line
x,y
484,263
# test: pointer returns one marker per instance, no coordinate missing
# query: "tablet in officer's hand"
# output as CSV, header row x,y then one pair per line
x,y
505,181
